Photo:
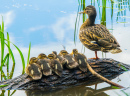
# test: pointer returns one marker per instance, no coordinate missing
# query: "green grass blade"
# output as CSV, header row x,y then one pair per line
x,y
12,57
22,58
114,87
5,58
13,92
2,50
11,53
3,85
29,53
8,67
8,42
2,25
8,92
3,92
12,71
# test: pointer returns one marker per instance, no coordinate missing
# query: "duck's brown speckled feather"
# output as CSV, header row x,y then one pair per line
x,y
104,40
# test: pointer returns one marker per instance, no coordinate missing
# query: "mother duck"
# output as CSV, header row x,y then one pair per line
x,y
97,37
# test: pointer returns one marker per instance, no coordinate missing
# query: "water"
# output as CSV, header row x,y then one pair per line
x,y
50,24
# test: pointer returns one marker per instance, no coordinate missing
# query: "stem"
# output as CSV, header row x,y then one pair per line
x,y
102,78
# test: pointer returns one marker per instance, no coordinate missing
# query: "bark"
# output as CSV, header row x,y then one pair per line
x,y
108,68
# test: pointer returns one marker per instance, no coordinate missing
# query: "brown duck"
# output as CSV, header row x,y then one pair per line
x,y
97,37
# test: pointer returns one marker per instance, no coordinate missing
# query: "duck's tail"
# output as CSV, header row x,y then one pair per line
x,y
117,50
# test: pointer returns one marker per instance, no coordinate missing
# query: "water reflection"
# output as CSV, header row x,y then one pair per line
x,y
74,91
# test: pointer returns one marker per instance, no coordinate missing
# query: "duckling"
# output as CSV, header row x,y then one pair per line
x,y
97,37
55,64
81,59
45,64
60,58
34,71
71,63
33,60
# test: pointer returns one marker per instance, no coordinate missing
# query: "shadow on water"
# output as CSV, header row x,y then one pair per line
x,y
74,91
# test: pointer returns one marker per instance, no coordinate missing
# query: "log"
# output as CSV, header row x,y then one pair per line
x,y
106,67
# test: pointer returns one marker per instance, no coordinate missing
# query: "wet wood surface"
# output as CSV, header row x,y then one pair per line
x,y
108,68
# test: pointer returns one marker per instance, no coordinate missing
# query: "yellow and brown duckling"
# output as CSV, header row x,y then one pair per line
x,y
55,64
60,58
33,60
34,71
71,63
45,64
97,37
81,59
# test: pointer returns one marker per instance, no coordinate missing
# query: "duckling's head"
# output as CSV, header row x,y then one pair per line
x,y
74,51
63,52
52,56
42,56
89,10
33,60
54,52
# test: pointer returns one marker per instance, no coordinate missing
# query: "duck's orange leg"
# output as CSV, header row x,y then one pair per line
x,y
95,56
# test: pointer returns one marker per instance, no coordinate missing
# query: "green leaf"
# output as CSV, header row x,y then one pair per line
x,y
3,63
8,42
8,92
13,92
12,56
2,25
123,67
4,85
115,87
2,50
10,53
8,66
29,53
22,58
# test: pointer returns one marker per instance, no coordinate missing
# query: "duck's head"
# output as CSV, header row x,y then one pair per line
x,y
54,52
51,56
33,60
89,10
42,56
63,52
74,51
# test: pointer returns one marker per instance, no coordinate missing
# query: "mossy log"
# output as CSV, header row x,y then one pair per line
x,y
108,68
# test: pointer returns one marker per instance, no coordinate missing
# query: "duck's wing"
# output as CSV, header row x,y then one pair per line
x,y
99,34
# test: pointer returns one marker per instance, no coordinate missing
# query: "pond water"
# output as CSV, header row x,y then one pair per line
x,y
50,24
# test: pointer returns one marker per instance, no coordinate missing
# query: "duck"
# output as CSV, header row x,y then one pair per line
x,y
60,58
45,64
55,64
71,63
33,60
97,37
34,71
81,59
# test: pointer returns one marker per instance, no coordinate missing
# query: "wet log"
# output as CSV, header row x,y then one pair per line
x,y
108,68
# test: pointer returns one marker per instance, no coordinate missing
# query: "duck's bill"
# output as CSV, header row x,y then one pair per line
x,y
82,12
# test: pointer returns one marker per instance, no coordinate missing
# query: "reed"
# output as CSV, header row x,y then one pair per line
x,y
7,56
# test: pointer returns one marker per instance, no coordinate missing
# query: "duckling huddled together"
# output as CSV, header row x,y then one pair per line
x,y
54,63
